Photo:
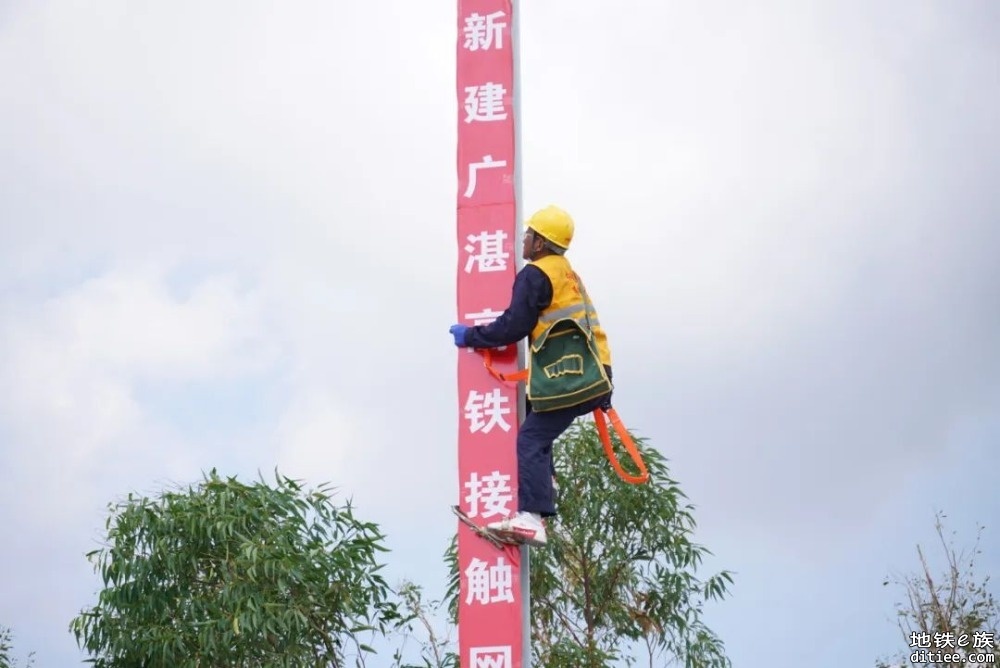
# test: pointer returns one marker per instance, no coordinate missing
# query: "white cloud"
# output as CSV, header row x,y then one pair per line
x,y
255,134
316,436
72,366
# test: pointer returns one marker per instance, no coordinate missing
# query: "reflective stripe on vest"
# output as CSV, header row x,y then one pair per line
x,y
568,302
549,317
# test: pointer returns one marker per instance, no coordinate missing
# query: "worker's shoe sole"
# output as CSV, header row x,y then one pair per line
x,y
521,530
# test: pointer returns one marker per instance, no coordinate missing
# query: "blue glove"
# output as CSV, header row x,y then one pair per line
x,y
458,331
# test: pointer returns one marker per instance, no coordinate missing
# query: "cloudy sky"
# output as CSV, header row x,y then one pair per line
x,y
227,239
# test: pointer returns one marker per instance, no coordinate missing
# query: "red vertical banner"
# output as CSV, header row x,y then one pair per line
x,y
489,606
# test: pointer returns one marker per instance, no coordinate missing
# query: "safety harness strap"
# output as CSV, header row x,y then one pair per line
x,y
599,420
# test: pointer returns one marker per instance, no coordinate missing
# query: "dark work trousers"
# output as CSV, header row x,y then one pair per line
x,y
534,453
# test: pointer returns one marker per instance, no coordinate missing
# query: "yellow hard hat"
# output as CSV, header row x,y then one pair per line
x,y
554,224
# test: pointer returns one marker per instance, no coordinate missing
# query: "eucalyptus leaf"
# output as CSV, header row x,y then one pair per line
x,y
225,573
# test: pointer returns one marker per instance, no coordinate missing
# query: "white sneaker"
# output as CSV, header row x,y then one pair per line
x,y
528,527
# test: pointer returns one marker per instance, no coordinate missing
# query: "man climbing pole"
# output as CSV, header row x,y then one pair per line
x,y
570,362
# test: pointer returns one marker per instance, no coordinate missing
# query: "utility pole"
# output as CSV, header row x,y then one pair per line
x,y
494,594
521,353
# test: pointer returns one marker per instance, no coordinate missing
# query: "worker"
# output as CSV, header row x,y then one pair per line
x,y
545,290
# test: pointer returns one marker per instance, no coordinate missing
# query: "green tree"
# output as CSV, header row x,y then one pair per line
x,y
7,650
230,574
618,576
436,647
955,607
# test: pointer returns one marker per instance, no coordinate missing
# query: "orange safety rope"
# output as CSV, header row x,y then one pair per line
x,y
602,427
602,430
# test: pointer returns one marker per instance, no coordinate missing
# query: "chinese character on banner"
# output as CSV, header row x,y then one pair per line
x,y
487,163
484,317
489,584
490,657
486,252
490,406
488,409
485,103
481,32
493,492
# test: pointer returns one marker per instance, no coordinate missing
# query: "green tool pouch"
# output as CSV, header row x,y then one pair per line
x,y
565,368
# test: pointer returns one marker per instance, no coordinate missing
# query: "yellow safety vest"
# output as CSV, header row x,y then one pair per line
x,y
569,300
